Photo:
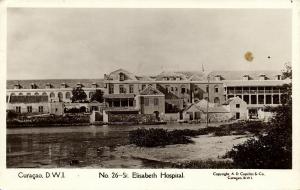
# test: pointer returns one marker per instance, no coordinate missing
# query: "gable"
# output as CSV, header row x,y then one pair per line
x,y
151,91
116,75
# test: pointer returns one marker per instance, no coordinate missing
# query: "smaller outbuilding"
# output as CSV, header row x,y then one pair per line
x,y
237,107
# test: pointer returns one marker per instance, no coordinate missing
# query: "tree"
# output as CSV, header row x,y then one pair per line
x,y
272,150
78,95
97,96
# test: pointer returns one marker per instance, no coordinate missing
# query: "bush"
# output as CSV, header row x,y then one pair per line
x,y
273,149
157,137
11,115
205,164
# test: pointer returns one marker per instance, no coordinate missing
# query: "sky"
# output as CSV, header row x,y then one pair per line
x,y
60,43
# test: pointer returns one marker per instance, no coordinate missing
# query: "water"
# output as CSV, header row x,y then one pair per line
x,y
78,146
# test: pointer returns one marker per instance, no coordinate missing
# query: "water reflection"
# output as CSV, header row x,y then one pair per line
x,y
80,146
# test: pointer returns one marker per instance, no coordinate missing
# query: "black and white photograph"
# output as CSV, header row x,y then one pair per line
x,y
147,88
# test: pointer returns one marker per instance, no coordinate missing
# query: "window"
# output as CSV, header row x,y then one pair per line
x,y
68,95
182,90
217,100
29,109
275,99
246,98
156,101
268,99
216,89
237,105
143,86
122,76
28,94
36,94
253,99
207,88
122,89
131,88
52,95
237,115
18,109
111,89
172,89
261,99
91,94
146,101
168,88
41,109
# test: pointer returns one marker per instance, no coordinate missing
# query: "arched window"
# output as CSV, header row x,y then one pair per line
x,y
44,94
12,94
217,100
60,96
122,76
36,94
28,94
68,95
183,89
216,89
91,94
20,94
52,95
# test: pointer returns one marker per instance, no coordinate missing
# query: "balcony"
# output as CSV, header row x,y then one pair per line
x,y
230,91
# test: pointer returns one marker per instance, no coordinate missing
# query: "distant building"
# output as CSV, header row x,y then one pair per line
x,y
238,108
34,104
123,90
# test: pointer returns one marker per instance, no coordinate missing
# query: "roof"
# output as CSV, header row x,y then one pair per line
x,y
203,103
56,83
114,75
255,82
231,99
238,75
168,95
28,99
151,91
216,109
118,96
121,109
144,78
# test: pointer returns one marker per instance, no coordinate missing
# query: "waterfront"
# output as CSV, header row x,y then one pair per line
x,y
95,147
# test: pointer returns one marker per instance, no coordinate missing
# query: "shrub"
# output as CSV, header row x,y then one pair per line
x,y
157,137
205,164
272,150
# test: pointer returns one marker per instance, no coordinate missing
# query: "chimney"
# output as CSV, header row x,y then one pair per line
x,y
277,77
262,77
48,85
94,85
33,86
79,85
218,77
17,86
63,85
246,77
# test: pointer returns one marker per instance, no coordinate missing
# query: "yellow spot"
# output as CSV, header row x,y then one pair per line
x,y
249,56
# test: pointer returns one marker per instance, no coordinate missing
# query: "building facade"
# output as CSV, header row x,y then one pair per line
x,y
176,91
